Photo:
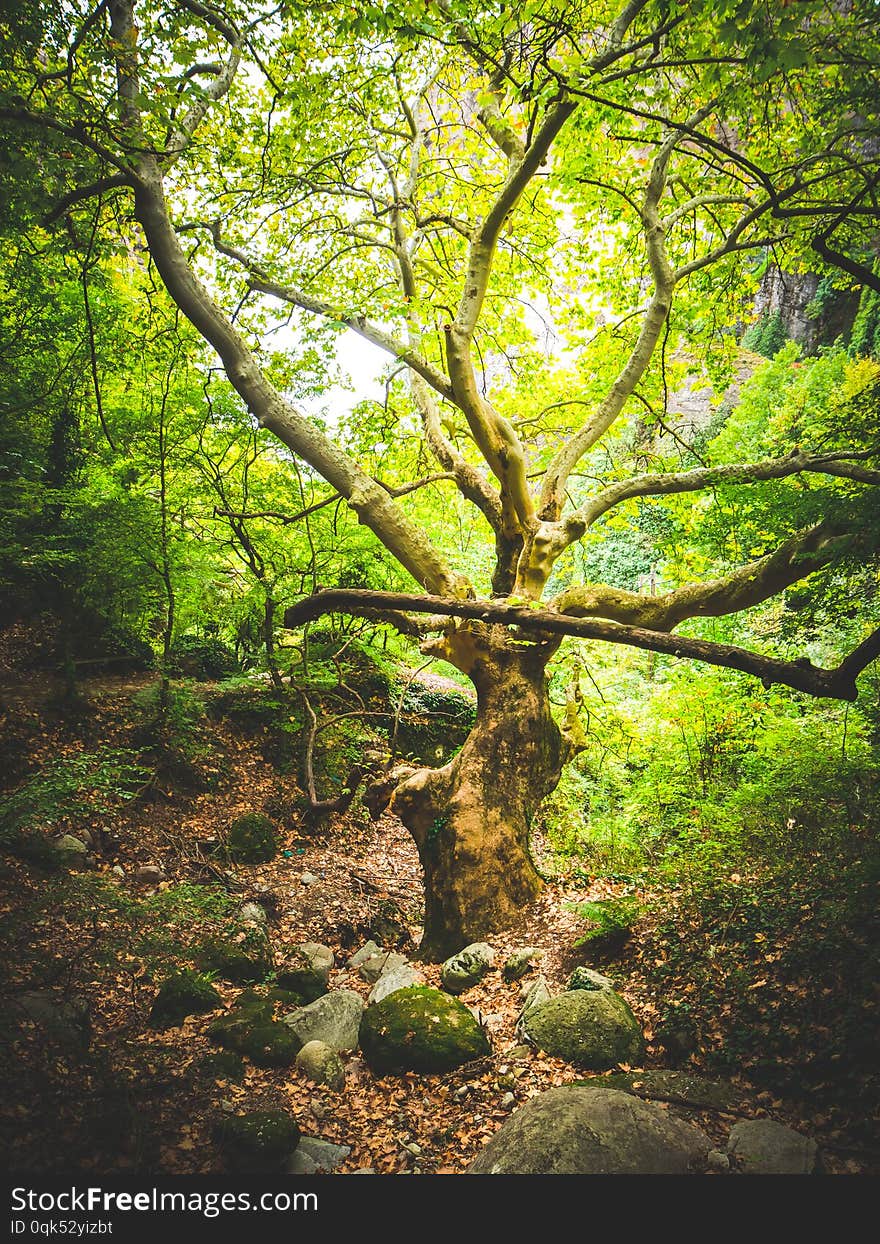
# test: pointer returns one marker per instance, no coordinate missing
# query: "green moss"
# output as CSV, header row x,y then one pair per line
x,y
259,1141
244,962
265,1042
252,839
183,993
420,1029
222,1065
594,1029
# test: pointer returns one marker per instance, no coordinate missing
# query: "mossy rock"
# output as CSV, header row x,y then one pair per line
x,y
594,1029
255,1006
222,1065
182,994
260,1141
285,997
303,980
420,1029
243,962
252,839
265,1042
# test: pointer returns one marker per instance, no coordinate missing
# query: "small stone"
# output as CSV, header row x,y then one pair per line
x,y
460,1093
520,962
366,952
402,977
364,1170
324,1155
149,874
586,978
301,1164
411,1148
253,913
717,1161
386,961
318,1109
118,871
764,1147
467,968
321,1064
508,1101
308,879
68,843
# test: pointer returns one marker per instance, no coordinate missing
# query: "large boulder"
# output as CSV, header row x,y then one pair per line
x,y
764,1147
467,968
580,1131
420,1029
594,1029
333,1019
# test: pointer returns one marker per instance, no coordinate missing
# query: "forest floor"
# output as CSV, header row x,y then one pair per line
x,y
137,1101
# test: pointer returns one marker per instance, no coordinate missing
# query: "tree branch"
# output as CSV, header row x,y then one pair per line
x,y
839,683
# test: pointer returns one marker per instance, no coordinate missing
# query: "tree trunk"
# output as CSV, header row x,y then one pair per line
x,y
470,820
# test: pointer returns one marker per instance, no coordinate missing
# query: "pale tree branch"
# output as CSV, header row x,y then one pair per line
x,y
842,466
748,585
802,675
260,280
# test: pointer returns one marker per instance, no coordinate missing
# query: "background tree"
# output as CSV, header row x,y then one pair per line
x,y
442,180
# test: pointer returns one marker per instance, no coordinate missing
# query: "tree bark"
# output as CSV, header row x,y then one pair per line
x,y
471,819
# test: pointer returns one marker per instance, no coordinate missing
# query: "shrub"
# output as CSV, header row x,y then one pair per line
x,y
203,658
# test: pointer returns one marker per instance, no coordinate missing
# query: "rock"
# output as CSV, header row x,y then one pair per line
x,y
420,1029
149,874
252,839
222,1065
71,849
508,1101
764,1147
586,978
118,871
402,977
243,958
467,968
520,962
301,1164
323,1155
308,879
717,1161
66,1021
253,913
333,1019
579,1131
593,1029
321,1064
260,1141
366,952
249,1029
363,1170
371,969
182,994
519,1053
307,972
534,994
675,1086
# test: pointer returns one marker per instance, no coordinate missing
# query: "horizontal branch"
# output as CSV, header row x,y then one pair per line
x,y
656,485
802,675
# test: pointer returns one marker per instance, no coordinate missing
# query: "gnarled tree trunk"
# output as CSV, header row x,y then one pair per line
x,y
470,820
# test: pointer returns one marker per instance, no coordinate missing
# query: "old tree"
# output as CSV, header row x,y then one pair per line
x,y
461,184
